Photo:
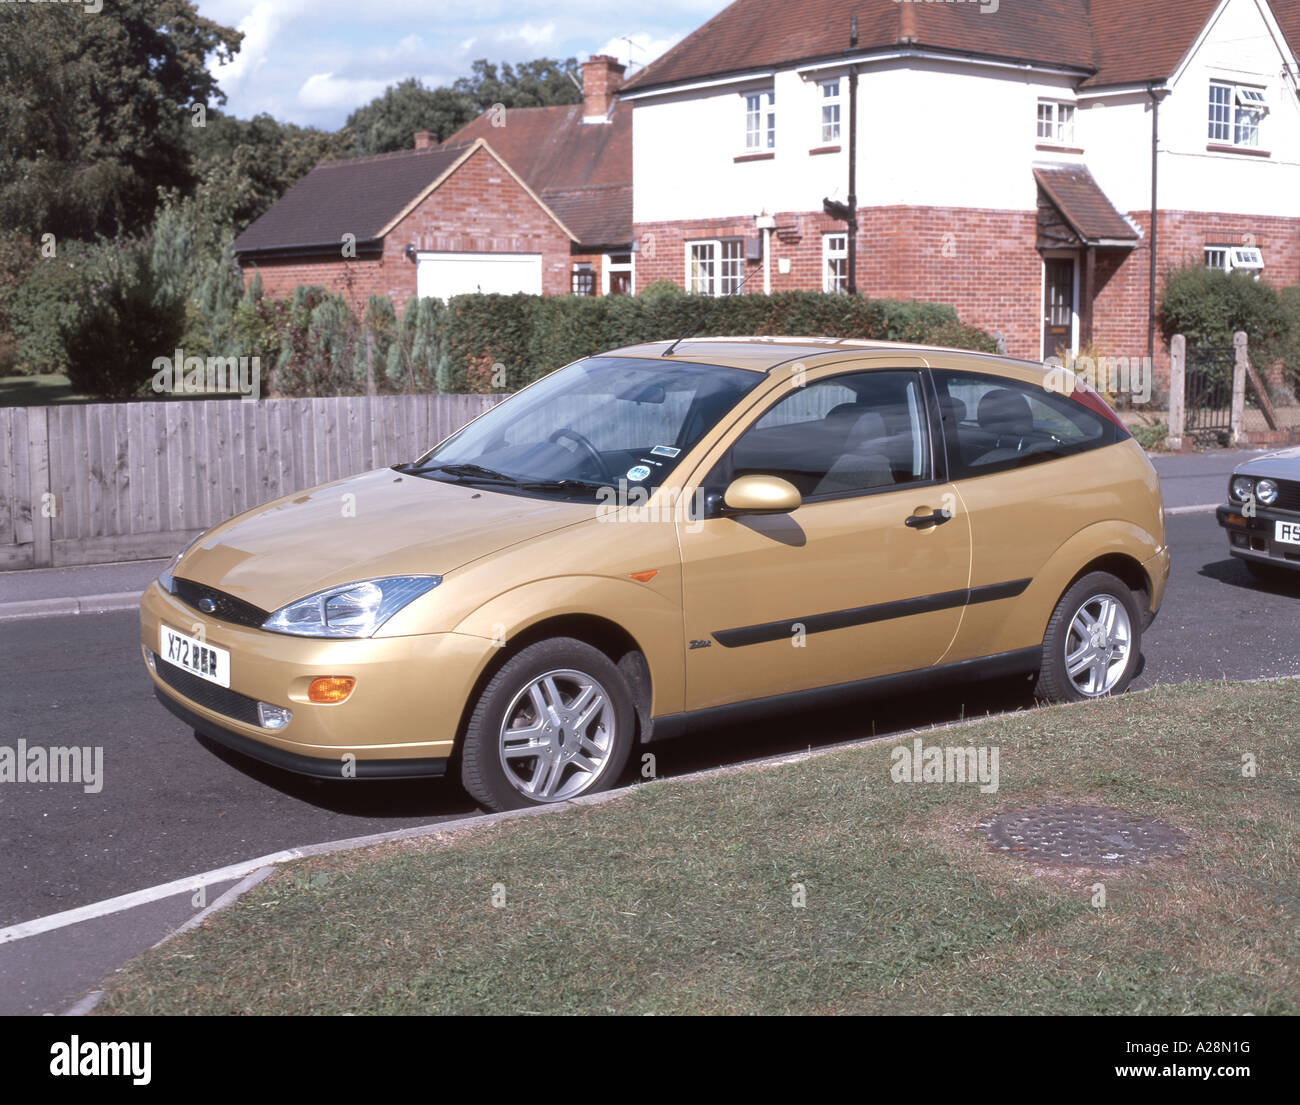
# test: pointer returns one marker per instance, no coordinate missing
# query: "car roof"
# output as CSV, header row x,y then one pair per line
x,y
762,354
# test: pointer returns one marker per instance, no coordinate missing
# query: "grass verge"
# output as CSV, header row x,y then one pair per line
x,y
679,897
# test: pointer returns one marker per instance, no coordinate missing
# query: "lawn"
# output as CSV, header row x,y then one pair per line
x,y
679,897
38,391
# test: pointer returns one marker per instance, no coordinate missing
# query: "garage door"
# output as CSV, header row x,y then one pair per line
x,y
447,274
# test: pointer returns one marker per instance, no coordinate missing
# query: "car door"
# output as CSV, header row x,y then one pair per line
x,y
867,577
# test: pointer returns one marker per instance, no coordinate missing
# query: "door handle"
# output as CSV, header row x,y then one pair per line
x,y
921,521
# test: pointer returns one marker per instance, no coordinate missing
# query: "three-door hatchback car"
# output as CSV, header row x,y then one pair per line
x,y
658,537
1262,515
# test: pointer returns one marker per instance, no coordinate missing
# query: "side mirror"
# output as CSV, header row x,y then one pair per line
x,y
761,495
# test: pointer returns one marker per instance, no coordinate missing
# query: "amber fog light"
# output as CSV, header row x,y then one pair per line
x,y
330,688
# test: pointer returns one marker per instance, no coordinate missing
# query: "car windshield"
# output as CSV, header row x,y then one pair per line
x,y
594,424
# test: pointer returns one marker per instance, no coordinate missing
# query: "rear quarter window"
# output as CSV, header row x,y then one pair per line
x,y
993,424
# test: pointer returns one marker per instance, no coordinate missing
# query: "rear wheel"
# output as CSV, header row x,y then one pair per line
x,y
554,723
1093,642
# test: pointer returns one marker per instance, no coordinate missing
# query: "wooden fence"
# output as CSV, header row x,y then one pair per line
x,y
95,483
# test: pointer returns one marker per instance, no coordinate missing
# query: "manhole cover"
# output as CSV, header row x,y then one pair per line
x,y
1082,836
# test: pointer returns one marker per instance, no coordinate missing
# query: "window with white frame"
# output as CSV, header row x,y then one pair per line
x,y
1235,114
1216,257
830,106
1247,259
835,262
715,267
1056,122
760,121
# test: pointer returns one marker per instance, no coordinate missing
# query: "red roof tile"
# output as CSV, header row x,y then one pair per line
x,y
582,171
1083,204
1111,40
1287,13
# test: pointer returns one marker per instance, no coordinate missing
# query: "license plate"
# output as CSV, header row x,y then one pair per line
x,y
196,657
1288,532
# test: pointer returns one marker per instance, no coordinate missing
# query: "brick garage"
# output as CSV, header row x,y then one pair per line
x,y
548,182
479,207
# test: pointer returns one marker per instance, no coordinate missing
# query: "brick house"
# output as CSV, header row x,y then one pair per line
x,y
532,200
1004,155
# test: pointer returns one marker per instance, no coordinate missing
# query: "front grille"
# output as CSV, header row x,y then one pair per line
x,y
228,608
1288,495
221,700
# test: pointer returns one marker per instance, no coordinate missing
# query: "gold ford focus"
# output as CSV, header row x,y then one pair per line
x,y
651,540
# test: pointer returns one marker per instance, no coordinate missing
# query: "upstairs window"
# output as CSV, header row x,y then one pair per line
x,y
1235,114
830,105
1055,123
715,267
760,121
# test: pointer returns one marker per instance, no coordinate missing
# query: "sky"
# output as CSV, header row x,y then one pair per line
x,y
313,62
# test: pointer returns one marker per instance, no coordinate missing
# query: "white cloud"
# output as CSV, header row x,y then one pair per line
x,y
325,90
531,35
644,48
260,27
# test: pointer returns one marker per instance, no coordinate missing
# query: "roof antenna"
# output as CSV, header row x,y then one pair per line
x,y
704,316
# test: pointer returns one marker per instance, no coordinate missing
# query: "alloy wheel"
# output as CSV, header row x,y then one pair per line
x,y
557,736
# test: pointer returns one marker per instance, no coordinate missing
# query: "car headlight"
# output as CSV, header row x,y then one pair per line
x,y
165,576
1266,492
353,610
1241,488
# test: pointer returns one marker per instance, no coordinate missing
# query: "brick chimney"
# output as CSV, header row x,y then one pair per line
x,y
423,140
602,76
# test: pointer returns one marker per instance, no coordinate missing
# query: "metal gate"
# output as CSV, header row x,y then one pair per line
x,y
1208,393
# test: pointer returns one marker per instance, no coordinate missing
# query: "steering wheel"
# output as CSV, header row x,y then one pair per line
x,y
601,467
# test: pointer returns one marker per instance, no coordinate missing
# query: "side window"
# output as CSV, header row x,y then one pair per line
x,y
857,433
993,424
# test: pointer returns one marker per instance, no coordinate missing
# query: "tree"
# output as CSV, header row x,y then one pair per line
x,y
245,165
539,83
389,122
91,123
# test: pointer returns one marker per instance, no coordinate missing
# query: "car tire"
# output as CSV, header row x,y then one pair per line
x,y
557,721
1111,655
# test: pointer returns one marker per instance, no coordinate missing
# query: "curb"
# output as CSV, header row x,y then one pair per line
x,y
54,608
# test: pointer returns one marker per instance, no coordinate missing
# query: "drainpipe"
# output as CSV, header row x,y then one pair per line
x,y
1151,286
853,162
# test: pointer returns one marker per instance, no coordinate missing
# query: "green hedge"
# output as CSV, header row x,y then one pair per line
x,y
1207,306
491,342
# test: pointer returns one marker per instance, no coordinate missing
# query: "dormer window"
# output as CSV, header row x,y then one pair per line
x,y
1235,114
760,121
1055,123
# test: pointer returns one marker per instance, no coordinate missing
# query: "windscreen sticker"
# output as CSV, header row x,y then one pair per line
x,y
665,451
638,472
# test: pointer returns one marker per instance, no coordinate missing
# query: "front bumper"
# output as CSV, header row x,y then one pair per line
x,y
401,719
1253,538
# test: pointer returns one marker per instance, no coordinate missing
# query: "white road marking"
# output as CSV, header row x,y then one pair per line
x,y
1204,508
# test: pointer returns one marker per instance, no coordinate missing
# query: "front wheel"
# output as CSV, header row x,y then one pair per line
x,y
554,723
1093,642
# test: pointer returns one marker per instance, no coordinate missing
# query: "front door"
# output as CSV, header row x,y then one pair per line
x,y
1058,307
859,581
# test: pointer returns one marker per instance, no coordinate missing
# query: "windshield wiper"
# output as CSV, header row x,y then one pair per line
x,y
466,471
561,485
